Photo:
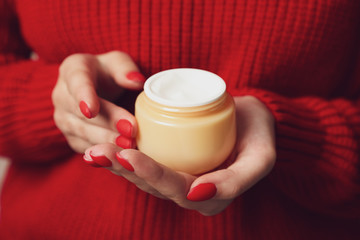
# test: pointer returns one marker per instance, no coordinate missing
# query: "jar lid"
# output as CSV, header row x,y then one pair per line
x,y
184,87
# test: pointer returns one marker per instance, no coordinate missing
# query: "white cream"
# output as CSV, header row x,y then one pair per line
x,y
184,87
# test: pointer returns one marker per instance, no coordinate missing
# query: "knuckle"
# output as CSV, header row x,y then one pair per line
x,y
64,124
233,191
233,187
76,58
68,61
79,60
60,121
270,157
76,144
119,55
80,73
57,93
54,94
73,129
57,118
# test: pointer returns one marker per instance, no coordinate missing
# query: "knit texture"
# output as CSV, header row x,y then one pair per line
x,y
300,58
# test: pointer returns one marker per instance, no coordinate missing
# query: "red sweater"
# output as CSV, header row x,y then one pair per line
x,y
301,58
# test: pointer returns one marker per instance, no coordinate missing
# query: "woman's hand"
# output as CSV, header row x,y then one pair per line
x,y
212,192
83,99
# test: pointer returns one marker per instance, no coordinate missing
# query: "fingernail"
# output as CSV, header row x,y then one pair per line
x,y
124,142
101,160
85,109
202,192
135,76
90,162
124,127
125,163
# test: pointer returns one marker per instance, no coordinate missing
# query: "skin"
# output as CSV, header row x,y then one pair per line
x,y
80,79
97,80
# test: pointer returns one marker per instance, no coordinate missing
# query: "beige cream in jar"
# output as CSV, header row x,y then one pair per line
x,y
186,120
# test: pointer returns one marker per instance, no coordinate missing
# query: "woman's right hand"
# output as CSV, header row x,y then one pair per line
x,y
83,99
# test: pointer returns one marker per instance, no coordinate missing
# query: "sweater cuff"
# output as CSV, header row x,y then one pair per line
x,y
271,100
317,150
28,132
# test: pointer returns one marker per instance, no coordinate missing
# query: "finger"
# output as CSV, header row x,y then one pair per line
x,y
143,171
113,124
111,117
173,185
79,145
104,155
79,71
122,69
150,177
64,103
170,184
76,127
118,119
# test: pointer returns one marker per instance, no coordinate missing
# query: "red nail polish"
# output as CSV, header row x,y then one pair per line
x,y
101,160
135,76
202,192
125,163
125,142
85,109
90,162
124,127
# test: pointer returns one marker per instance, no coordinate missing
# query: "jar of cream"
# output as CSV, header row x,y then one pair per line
x,y
186,120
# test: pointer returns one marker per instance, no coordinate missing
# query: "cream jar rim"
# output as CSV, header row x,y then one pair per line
x,y
184,87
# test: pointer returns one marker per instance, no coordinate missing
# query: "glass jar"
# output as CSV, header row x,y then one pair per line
x,y
186,120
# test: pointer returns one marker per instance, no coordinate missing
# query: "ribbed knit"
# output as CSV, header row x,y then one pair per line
x,y
300,58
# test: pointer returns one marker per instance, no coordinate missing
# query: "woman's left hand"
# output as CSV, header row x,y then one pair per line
x,y
212,192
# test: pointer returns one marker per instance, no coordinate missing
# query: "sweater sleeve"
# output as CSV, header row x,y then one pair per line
x,y
318,150
27,130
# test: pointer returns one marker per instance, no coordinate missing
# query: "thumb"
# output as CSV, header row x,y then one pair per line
x,y
248,169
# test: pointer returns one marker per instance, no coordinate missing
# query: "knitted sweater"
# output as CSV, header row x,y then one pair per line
x,y
300,58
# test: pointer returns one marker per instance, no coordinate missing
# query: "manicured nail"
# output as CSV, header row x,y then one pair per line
x,y
90,162
101,160
125,163
135,76
124,142
124,127
85,109
202,192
